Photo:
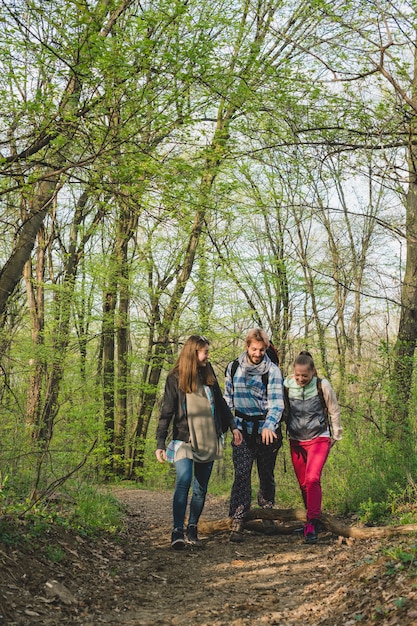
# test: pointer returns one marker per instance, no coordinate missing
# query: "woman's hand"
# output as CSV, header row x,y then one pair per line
x,y
161,455
237,437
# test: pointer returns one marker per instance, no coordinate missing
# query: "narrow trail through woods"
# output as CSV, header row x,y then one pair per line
x,y
136,579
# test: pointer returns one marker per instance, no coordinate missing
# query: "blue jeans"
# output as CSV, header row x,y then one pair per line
x,y
184,471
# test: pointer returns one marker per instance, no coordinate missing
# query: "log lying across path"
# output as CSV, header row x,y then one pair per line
x,y
293,518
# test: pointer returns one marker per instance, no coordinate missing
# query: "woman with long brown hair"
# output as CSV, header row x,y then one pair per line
x,y
194,403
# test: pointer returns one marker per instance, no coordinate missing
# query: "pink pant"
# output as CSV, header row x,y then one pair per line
x,y
308,459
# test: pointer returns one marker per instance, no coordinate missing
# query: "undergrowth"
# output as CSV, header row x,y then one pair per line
x,y
85,509
398,508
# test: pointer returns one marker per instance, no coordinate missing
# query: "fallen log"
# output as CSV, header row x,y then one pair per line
x,y
329,523
288,528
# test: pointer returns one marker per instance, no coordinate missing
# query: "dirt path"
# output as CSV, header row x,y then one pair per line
x,y
136,579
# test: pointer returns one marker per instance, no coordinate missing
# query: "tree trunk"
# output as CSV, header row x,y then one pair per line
x,y
122,384
109,308
63,297
100,22
303,240
149,390
11,272
407,332
36,297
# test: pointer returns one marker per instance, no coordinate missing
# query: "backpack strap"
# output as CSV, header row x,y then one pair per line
x,y
323,403
287,408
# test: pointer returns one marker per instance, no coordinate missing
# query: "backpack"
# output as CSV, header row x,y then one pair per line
x,y
322,400
272,352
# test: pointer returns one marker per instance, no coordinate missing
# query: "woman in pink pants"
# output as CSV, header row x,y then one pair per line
x,y
313,424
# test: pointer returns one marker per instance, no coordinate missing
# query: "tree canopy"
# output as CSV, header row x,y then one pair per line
x,y
179,167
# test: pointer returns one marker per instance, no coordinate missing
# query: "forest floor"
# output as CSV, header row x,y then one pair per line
x,y
135,578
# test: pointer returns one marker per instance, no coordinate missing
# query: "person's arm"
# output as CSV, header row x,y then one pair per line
x,y
168,410
275,406
333,409
275,399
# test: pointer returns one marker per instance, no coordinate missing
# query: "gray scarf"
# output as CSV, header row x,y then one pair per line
x,y
249,369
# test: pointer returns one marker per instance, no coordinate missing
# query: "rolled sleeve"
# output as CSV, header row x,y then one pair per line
x,y
228,388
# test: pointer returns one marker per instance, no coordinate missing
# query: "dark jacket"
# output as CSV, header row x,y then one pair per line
x,y
174,408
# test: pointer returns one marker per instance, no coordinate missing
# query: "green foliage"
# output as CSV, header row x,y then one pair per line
x,y
9,533
398,507
369,471
55,553
376,513
95,511
155,475
197,114
402,500
82,507
363,471
401,558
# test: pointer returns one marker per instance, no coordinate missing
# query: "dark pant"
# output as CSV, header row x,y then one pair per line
x,y
244,456
184,471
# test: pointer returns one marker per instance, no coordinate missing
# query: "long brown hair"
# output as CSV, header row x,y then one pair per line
x,y
187,367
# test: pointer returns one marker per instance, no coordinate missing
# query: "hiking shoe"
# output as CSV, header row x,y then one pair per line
x,y
310,533
177,539
318,526
191,536
236,536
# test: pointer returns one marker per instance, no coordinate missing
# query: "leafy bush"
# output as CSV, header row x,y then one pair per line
x,y
374,512
95,511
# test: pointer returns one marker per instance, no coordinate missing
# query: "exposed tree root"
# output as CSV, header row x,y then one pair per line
x,y
287,517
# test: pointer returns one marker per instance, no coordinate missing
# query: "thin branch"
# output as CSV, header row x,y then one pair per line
x,y
51,488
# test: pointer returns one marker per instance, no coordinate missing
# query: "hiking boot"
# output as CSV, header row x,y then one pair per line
x,y
318,526
236,536
177,539
310,533
191,536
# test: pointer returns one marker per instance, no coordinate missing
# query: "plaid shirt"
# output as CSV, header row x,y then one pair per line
x,y
249,396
